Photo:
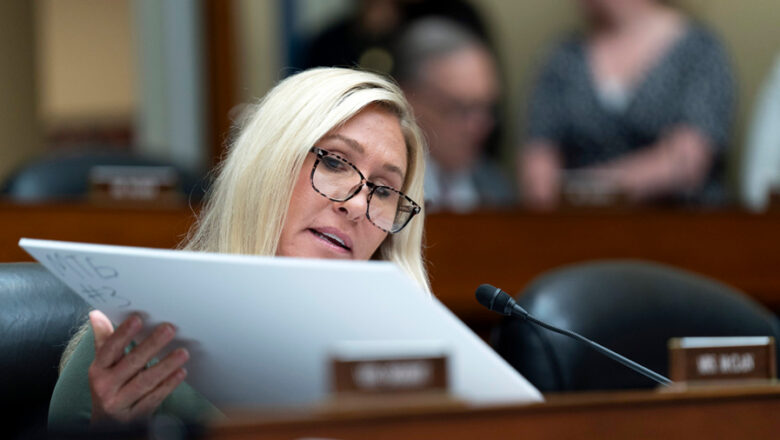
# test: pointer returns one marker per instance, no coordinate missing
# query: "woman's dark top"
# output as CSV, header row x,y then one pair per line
x,y
691,84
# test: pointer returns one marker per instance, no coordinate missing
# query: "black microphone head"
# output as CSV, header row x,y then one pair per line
x,y
494,299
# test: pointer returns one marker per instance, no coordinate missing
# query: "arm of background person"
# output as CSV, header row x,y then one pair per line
x,y
538,162
680,161
539,175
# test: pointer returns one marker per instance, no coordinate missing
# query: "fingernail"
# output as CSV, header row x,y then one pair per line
x,y
135,322
183,354
168,330
182,373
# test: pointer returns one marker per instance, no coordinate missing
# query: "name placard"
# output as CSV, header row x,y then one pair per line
x,y
382,368
710,359
140,184
381,376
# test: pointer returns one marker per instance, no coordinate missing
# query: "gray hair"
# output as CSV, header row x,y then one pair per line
x,y
426,40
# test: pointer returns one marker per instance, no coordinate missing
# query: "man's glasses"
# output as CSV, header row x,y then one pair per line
x,y
459,109
339,180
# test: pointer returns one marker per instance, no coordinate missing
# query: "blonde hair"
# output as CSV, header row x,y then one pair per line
x,y
247,207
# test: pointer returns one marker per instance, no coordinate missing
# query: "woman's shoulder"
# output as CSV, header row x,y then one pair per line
x,y
564,51
700,36
568,44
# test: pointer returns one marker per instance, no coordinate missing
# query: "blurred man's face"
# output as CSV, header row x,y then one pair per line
x,y
454,103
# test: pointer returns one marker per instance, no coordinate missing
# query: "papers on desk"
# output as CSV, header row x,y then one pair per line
x,y
261,330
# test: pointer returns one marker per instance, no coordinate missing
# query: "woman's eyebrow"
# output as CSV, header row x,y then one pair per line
x,y
394,169
355,145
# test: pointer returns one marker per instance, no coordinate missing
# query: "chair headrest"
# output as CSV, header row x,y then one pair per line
x,y
632,307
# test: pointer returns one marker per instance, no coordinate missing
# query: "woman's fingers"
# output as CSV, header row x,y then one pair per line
x,y
153,399
109,349
144,352
110,345
101,327
149,380
122,387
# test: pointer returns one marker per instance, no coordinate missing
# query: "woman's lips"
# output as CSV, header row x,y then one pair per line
x,y
332,239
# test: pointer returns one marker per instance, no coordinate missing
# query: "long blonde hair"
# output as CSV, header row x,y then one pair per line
x,y
247,207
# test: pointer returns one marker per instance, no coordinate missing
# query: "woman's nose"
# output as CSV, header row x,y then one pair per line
x,y
357,206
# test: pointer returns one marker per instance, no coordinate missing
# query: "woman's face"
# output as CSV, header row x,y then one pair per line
x,y
372,140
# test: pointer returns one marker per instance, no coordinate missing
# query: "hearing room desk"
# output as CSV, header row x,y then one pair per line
x,y
506,249
737,413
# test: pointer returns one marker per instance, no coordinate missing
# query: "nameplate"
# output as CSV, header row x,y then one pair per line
x,y
365,368
712,359
133,183
381,376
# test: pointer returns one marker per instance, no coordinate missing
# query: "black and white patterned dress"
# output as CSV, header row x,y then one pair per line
x,y
691,83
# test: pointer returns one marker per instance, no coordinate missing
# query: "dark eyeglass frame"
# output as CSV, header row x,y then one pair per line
x,y
450,106
321,154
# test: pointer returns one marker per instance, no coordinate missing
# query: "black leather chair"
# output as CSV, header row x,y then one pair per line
x,y
631,307
38,315
65,175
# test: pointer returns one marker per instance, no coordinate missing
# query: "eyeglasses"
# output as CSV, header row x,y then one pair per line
x,y
458,109
339,180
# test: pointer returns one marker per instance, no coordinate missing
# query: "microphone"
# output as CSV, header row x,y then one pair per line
x,y
499,301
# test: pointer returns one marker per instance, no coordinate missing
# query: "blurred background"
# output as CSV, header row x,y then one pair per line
x,y
618,159
165,80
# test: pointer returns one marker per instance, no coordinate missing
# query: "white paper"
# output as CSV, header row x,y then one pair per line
x,y
261,330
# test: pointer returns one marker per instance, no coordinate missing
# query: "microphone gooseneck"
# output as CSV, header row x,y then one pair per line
x,y
499,301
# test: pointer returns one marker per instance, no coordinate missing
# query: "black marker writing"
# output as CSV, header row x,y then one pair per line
x,y
104,294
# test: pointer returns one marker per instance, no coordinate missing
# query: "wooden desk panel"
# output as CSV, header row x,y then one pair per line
x,y
158,228
713,414
507,249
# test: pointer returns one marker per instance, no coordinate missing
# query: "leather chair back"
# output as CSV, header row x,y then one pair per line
x,y
38,315
65,175
631,307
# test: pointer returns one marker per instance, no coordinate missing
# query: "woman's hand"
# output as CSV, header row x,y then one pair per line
x,y
122,388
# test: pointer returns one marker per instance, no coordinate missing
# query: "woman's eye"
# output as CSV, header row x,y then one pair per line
x,y
383,192
333,164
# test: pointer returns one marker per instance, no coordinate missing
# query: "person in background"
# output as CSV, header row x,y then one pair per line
x,y
638,107
365,37
450,79
761,165
328,165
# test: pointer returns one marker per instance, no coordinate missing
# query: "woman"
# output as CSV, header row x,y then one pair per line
x,y
328,165
639,107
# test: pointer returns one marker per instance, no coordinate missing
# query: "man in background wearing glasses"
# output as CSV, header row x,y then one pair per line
x,y
449,77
